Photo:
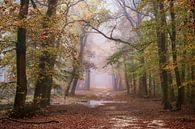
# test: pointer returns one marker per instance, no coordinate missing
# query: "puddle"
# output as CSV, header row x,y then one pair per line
x,y
124,121
157,124
121,122
96,103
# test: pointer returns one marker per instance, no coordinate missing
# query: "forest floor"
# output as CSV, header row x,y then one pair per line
x,y
106,109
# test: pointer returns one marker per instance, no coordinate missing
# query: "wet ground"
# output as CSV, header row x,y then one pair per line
x,y
107,109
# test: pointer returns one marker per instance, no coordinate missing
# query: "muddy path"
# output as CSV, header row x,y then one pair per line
x,y
107,109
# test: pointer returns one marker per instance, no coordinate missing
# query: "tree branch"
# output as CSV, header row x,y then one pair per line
x,y
35,6
30,122
111,38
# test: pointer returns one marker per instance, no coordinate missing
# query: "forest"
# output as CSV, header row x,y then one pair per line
x,y
97,64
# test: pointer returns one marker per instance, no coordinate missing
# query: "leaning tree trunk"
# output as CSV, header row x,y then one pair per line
x,y
21,89
162,52
46,62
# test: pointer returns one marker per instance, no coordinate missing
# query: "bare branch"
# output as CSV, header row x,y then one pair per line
x,y
112,31
111,38
141,13
9,50
73,4
40,3
129,18
35,6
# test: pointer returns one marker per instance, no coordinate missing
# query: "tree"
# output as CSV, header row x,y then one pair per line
x,y
82,44
46,61
173,34
21,90
162,51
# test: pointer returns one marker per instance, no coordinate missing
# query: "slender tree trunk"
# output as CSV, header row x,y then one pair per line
x,y
180,97
21,89
69,83
162,52
193,54
134,85
74,85
188,89
126,75
171,88
143,90
83,39
88,79
119,82
150,84
193,88
154,87
114,79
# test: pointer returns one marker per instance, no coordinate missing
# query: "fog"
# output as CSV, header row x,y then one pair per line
x,y
101,77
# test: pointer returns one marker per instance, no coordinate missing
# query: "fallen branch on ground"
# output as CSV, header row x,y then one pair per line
x,y
29,122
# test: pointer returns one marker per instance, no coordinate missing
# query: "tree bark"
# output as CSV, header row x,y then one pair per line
x,y
46,62
21,89
150,84
143,90
180,97
69,83
88,79
126,75
162,52
193,54
134,85
114,79
80,56
154,86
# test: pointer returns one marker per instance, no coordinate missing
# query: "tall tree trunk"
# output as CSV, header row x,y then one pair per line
x,y
119,82
88,79
150,84
126,75
180,97
171,88
193,54
154,87
162,52
83,39
21,89
69,83
74,85
143,90
114,79
134,85
46,62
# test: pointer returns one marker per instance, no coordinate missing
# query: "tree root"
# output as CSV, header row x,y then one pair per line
x,y
29,122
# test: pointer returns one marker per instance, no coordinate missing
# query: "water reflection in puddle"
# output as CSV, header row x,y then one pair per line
x,y
121,122
157,124
96,103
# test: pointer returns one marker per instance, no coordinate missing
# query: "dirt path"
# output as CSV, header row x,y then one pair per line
x,y
106,109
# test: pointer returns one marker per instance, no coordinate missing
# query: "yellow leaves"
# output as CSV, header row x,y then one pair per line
x,y
188,83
